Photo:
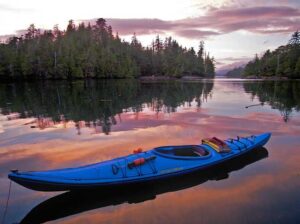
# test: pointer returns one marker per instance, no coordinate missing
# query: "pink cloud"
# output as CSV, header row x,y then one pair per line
x,y
255,12
141,26
216,21
138,26
194,33
254,19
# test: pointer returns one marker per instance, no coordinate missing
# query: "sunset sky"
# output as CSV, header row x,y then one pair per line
x,y
233,30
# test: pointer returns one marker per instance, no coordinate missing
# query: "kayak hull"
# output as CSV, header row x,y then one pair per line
x,y
116,172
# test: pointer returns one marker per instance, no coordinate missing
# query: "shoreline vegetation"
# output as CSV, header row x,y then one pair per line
x,y
281,64
94,51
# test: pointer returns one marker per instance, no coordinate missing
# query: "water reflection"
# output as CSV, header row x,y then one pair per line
x,y
99,104
143,114
71,203
95,104
281,95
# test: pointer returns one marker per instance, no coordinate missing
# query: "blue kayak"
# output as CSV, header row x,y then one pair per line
x,y
74,202
156,164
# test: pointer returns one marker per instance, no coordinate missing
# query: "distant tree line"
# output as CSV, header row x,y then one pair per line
x,y
282,62
93,51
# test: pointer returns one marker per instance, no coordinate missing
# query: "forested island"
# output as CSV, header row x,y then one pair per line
x,y
93,51
283,62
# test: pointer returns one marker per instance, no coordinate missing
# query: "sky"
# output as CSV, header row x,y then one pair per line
x,y
233,30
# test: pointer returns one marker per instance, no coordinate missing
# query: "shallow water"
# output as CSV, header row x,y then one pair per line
x,y
59,124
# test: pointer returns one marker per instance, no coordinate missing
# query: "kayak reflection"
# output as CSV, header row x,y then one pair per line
x,y
75,202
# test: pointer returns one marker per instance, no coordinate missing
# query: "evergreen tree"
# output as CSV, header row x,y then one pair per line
x,y
209,66
295,39
71,26
297,68
200,55
85,51
281,62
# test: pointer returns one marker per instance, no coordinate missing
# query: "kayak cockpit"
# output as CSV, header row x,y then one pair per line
x,y
184,152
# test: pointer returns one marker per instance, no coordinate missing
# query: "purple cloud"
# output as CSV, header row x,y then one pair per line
x,y
138,26
194,33
141,26
254,19
216,21
254,12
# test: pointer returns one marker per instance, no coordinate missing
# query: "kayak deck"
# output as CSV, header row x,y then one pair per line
x,y
154,164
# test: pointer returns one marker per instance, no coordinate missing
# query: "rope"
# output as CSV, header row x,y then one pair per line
x,y
238,139
138,169
6,205
232,142
152,166
123,172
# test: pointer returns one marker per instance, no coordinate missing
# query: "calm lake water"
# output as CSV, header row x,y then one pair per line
x,y
59,124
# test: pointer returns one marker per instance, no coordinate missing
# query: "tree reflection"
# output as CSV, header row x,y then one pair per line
x,y
95,104
280,95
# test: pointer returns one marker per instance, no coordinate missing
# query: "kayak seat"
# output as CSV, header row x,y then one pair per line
x,y
200,151
181,151
190,151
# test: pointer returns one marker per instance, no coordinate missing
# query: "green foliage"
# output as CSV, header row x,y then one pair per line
x,y
86,51
295,39
297,68
281,62
209,67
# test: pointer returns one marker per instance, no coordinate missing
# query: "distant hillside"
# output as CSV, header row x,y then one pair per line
x,y
282,62
237,62
221,72
235,73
